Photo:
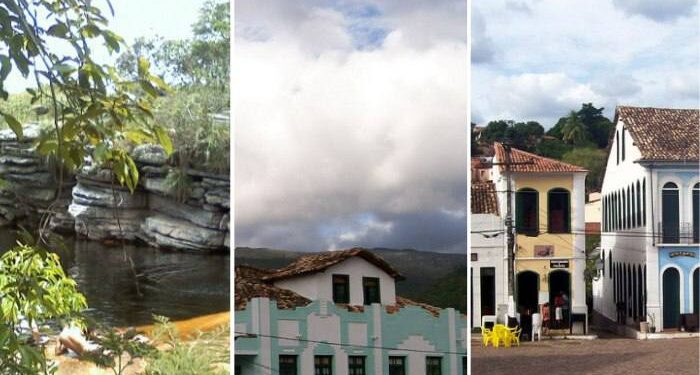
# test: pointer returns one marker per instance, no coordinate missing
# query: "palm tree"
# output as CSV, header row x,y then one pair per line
x,y
574,131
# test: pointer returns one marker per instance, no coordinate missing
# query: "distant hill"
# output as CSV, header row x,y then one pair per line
x,y
439,279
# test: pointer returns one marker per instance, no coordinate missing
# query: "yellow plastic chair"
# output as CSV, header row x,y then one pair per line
x,y
487,336
501,335
515,335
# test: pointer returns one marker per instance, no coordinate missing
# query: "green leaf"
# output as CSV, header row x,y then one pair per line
x,y
59,30
112,40
15,125
64,68
5,67
143,66
90,31
164,140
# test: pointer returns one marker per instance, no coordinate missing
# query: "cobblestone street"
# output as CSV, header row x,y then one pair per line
x,y
609,355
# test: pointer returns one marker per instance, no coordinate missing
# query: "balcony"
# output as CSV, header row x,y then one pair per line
x,y
677,233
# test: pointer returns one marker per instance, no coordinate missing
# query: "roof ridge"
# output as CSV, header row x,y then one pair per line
x,y
579,168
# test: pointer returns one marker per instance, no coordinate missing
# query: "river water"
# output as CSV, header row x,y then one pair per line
x,y
178,285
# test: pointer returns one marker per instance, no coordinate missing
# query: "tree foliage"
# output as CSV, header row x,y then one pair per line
x,y
92,105
33,289
592,159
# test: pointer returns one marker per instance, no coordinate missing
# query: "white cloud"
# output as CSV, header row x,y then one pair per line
x,y
322,136
590,51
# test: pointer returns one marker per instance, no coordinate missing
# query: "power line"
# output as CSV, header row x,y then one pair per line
x,y
355,346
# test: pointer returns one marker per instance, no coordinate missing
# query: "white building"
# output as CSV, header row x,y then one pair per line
x,y
489,261
651,208
338,313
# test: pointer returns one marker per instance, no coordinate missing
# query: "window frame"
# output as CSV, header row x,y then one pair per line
x,y
567,214
429,369
355,368
401,370
336,297
520,213
283,370
365,292
329,366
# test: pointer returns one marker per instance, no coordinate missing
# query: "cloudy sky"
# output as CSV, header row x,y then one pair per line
x,y
538,59
350,124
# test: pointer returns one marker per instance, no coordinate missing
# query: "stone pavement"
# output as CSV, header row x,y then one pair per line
x,y
607,355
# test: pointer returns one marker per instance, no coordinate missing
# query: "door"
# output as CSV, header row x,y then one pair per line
x,y
696,291
528,288
672,300
488,290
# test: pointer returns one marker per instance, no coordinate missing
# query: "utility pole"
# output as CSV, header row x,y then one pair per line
x,y
510,231
510,245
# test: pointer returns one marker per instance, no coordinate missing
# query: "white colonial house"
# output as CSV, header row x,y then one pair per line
x,y
487,249
648,268
338,313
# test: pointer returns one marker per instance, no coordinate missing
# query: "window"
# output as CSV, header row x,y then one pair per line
x,y
610,266
639,205
323,365
370,287
356,365
558,211
644,201
526,212
603,268
433,365
341,289
465,365
397,365
696,213
629,208
617,146
633,210
623,144
670,224
288,365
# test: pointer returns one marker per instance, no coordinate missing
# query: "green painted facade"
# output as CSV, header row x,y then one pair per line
x,y
411,331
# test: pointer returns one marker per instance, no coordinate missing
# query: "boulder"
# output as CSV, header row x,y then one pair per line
x,y
194,215
164,231
101,196
149,155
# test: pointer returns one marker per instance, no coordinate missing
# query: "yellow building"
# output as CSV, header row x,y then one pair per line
x,y
548,210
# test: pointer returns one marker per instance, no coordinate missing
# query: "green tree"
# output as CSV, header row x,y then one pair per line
x,y
495,131
574,131
592,159
33,289
552,147
92,106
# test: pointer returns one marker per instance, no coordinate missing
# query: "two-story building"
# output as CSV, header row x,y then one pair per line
x,y
650,220
548,205
487,249
338,313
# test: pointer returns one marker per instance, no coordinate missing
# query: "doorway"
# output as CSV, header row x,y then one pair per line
x,y
560,282
696,291
488,290
528,288
671,300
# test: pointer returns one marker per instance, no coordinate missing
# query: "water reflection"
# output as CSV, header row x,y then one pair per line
x,y
175,284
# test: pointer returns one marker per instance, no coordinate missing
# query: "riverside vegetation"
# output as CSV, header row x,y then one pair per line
x,y
101,123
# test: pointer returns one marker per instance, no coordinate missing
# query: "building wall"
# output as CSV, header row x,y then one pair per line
x,y
491,252
567,246
319,286
639,246
372,333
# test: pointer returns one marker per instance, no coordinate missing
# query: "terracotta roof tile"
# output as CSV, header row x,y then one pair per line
x,y
319,262
484,199
540,164
249,285
663,134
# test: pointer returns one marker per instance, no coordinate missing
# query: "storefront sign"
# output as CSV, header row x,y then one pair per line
x,y
674,254
544,250
558,264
